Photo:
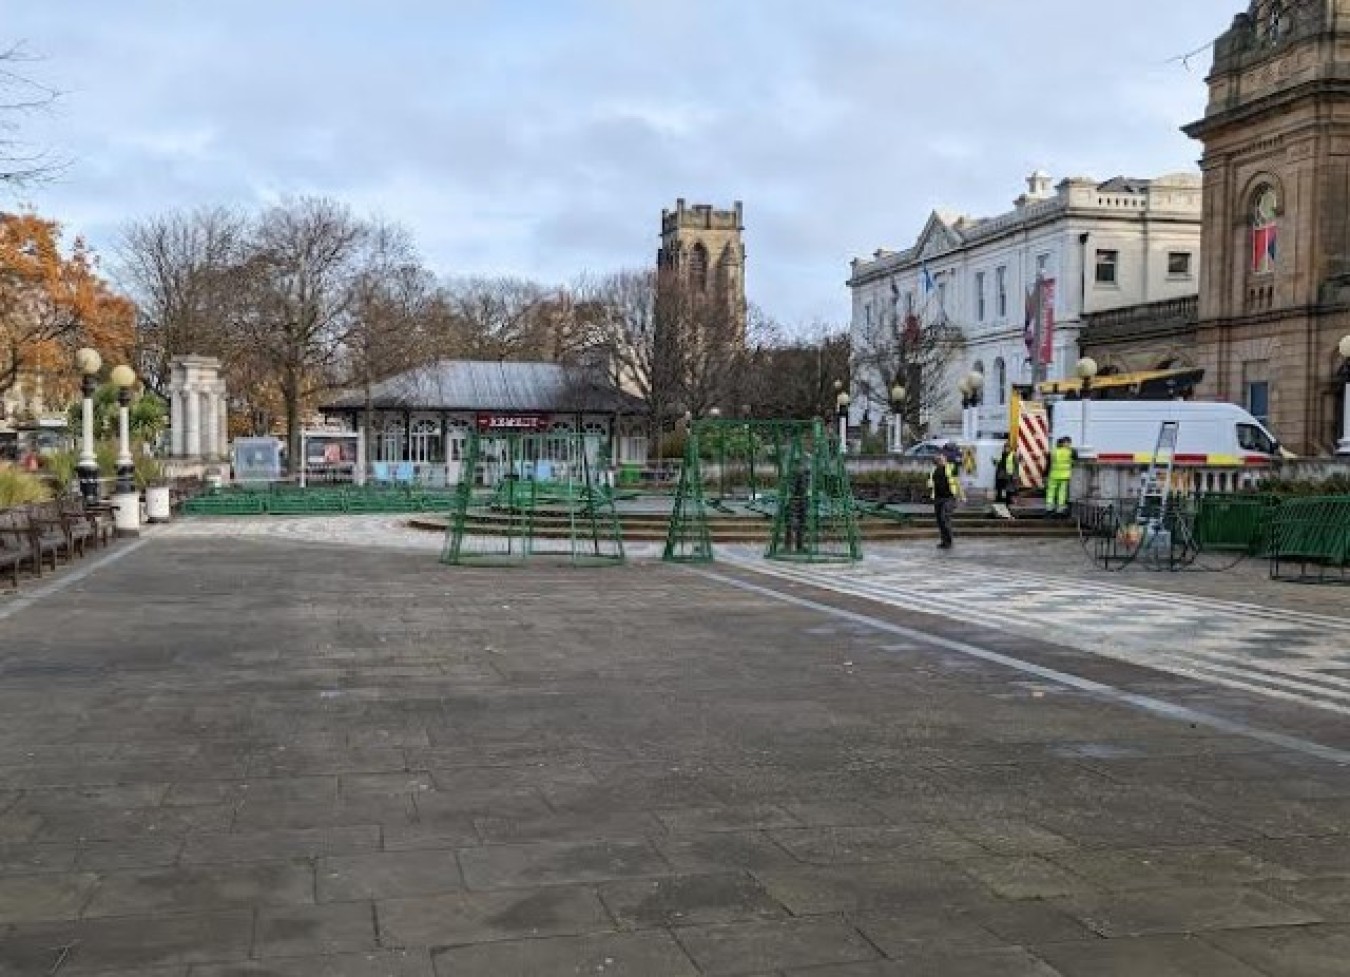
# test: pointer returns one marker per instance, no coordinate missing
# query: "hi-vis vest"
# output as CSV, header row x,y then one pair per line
x,y
953,482
1061,464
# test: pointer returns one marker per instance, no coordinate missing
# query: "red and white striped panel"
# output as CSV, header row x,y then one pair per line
x,y
1033,446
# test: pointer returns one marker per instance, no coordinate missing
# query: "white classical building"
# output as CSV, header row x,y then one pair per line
x,y
1096,246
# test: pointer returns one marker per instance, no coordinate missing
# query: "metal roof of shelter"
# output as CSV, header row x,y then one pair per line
x,y
482,385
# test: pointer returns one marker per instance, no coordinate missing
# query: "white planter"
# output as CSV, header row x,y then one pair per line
x,y
127,513
157,503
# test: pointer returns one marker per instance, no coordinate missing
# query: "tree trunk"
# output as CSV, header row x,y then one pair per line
x,y
290,394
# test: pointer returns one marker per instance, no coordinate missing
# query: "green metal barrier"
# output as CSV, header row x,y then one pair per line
x,y
1312,535
1234,523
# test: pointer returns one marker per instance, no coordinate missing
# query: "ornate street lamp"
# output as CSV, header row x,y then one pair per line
x,y
1086,368
1343,448
841,403
127,501
971,388
88,362
898,418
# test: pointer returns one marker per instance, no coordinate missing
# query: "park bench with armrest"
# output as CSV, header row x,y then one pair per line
x,y
43,543
86,524
72,533
15,548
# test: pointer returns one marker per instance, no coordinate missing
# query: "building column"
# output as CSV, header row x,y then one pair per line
x,y
192,428
176,422
223,422
211,425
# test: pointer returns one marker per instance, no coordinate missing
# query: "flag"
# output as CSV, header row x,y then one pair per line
x,y
1263,248
1029,323
926,279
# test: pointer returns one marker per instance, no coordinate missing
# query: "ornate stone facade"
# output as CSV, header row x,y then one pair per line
x,y
1275,278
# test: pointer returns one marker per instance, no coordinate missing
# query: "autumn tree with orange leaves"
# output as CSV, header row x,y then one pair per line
x,y
52,302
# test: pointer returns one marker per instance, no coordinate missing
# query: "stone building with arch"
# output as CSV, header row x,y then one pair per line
x,y
1274,297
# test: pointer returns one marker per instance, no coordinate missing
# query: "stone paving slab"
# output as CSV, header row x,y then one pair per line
x,y
357,763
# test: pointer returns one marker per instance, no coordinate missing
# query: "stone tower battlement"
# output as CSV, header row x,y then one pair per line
x,y
703,217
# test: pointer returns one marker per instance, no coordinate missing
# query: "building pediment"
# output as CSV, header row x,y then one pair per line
x,y
939,236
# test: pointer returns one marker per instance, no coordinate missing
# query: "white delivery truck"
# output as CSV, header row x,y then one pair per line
x,y
1126,431
1218,445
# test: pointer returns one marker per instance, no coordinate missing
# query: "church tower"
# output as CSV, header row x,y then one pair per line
x,y
1275,279
702,248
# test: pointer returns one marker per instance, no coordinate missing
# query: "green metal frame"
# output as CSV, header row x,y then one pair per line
x,y
813,513
530,503
817,519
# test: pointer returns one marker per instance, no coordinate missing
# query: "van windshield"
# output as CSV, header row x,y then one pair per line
x,y
1252,438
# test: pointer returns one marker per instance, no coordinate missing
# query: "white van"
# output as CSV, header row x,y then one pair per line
x,y
1125,432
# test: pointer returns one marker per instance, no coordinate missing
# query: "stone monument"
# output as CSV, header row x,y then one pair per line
x,y
199,432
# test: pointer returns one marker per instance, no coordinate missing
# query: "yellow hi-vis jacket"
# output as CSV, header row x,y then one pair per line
x,y
1061,465
952,479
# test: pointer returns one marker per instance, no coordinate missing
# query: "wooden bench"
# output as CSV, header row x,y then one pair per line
x,y
43,543
92,523
15,548
51,525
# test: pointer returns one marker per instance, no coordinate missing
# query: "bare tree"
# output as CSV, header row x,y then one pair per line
x,y
794,378
638,342
497,318
301,277
912,352
182,270
20,96
394,315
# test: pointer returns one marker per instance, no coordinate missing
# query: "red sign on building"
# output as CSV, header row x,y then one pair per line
x,y
524,423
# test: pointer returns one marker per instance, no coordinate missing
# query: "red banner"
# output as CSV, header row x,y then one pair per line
x,y
1048,320
525,423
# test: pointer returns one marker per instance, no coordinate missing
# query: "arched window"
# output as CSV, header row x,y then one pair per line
x,y
1265,231
1001,380
1277,22
698,267
391,441
426,441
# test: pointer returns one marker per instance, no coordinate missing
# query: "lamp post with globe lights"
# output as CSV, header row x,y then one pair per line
x,y
1086,368
127,502
841,403
88,362
898,418
1343,447
971,388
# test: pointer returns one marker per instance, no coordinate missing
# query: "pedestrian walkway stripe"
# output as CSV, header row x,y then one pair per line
x,y
1024,579
1151,704
1130,633
43,591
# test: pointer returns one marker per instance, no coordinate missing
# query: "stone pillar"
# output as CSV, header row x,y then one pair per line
x,y
210,424
176,419
222,421
192,428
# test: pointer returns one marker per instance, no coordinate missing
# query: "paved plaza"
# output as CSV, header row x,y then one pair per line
x,y
303,748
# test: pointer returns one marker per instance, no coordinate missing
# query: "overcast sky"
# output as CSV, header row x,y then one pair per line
x,y
543,137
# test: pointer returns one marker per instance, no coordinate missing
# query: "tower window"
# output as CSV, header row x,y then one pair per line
x,y
1277,22
1001,289
698,267
1265,231
979,295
